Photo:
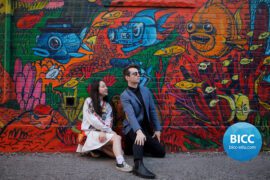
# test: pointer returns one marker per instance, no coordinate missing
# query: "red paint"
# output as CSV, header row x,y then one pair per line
x,y
29,20
155,3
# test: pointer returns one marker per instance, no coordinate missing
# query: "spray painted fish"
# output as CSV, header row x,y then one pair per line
x,y
204,65
140,31
266,61
60,43
102,24
187,85
112,15
214,31
123,62
170,51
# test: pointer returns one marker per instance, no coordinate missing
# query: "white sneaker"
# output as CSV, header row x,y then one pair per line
x,y
124,167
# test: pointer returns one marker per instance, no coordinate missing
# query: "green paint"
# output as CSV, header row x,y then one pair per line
x,y
7,43
202,143
23,40
148,59
52,99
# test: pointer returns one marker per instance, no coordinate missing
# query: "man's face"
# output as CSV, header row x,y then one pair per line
x,y
134,76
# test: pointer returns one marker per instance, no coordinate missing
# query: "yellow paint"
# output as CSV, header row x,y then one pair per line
x,y
186,85
264,35
242,106
266,61
112,15
170,51
102,24
245,61
226,62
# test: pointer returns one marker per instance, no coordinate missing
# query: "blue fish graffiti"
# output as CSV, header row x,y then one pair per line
x,y
140,31
60,46
254,8
123,62
266,78
145,76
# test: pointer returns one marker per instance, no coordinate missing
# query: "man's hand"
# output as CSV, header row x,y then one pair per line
x,y
157,134
140,138
102,137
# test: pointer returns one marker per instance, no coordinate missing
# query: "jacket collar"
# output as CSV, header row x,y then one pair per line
x,y
133,95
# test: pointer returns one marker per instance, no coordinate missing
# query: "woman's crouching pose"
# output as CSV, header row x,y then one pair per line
x,y
97,126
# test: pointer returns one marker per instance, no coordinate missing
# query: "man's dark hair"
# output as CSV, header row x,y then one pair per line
x,y
126,69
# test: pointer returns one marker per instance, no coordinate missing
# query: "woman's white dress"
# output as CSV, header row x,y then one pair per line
x,y
93,125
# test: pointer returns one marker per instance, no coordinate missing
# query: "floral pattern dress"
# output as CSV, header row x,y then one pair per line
x,y
93,125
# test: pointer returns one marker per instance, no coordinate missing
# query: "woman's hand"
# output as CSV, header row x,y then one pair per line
x,y
102,137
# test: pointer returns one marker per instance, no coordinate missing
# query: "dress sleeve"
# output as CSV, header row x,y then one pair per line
x,y
93,119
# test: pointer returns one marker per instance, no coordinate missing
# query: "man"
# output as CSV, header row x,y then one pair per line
x,y
141,116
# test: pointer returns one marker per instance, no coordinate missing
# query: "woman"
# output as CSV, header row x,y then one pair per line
x,y
97,125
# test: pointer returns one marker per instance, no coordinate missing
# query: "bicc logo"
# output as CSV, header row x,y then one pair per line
x,y
242,141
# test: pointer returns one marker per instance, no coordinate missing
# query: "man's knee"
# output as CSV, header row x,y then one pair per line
x,y
159,152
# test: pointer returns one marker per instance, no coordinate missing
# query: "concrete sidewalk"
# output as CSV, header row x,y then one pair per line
x,y
193,166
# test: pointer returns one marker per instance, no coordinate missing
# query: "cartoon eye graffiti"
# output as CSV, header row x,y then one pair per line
x,y
208,27
112,35
191,27
137,29
54,43
245,108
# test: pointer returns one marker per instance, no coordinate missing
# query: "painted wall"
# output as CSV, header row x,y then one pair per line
x,y
206,62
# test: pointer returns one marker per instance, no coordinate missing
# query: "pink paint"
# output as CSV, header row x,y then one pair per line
x,y
53,4
30,103
27,1
37,90
43,98
29,84
17,68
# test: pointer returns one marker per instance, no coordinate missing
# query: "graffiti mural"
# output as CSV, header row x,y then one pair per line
x,y
141,30
207,64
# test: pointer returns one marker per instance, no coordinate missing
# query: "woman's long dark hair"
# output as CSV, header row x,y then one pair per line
x,y
94,94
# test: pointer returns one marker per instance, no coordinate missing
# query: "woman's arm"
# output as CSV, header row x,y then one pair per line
x,y
90,117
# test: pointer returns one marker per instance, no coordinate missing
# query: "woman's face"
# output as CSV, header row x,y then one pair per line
x,y
103,90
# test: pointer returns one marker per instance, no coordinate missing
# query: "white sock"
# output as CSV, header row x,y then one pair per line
x,y
120,159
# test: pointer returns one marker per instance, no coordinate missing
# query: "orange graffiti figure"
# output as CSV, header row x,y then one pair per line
x,y
214,31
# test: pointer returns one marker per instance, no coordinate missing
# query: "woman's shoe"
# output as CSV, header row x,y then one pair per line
x,y
94,154
124,167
